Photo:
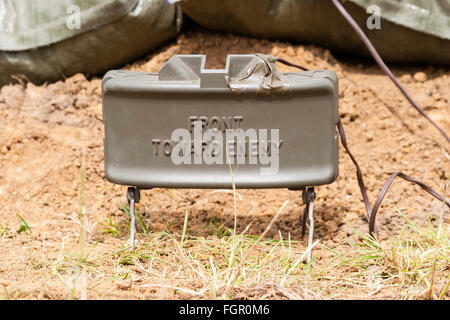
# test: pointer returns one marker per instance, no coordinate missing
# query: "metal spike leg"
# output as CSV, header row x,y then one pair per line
x,y
133,197
308,197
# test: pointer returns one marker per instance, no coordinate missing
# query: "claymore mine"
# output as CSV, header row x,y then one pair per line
x,y
186,126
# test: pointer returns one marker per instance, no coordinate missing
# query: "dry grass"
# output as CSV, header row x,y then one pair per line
x,y
416,263
228,265
225,265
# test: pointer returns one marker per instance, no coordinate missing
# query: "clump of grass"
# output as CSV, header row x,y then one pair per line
x,y
3,231
417,261
111,227
82,211
218,229
24,226
214,267
183,235
13,295
121,227
139,218
71,267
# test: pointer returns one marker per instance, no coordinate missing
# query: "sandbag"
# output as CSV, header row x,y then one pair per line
x,y
42,41
411,30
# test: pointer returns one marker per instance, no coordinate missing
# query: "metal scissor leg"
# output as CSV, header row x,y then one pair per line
x,y
308,197
133,197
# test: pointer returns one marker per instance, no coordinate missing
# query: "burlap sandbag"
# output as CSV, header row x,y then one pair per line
x,y
35,39
411,30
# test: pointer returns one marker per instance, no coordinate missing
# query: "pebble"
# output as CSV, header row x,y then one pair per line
x,y
406,78
290,51
331,226
420,77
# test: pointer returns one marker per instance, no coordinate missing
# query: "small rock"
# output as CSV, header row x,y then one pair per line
x,y
124,285
328,215
348,230
13,96
79,77
420,77
290,51
406,78
330,244
331,226
98,112
275,51
82,101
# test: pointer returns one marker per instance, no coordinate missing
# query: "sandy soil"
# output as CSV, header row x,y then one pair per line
x,y
47,131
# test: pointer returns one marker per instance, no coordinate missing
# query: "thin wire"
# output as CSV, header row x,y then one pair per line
x,y
372,212
288,63
383,66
